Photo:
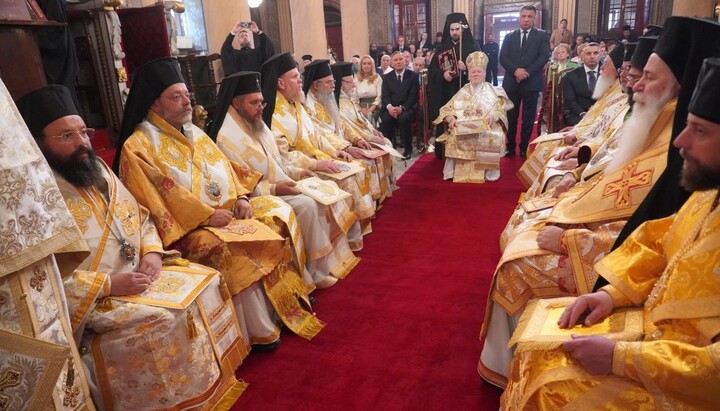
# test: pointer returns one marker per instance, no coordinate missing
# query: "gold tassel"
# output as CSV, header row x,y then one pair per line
x,y
224,291
192,329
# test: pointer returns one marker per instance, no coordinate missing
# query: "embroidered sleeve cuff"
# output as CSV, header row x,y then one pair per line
x,y
619,300
273,188
619,358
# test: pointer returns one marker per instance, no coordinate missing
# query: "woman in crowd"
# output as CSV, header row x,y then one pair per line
x,y
555,69
475,117
368,86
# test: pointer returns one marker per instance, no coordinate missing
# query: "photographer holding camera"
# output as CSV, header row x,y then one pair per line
x,y
245,48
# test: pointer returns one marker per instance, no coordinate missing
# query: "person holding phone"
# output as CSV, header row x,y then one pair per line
x,y
245,48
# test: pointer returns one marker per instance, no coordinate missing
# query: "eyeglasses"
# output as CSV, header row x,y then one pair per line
x,y
348,82
177,97
328,81
69,136
633,78
258,104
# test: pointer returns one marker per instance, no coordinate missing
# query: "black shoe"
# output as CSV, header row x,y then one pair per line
x,y
312,300
407,155
266,347
523,153
439,150
510,153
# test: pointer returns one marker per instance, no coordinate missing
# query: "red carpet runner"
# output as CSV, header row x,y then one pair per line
x,y
402,328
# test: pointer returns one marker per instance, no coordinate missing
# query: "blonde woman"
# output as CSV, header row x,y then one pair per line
x,y
555,69
368,86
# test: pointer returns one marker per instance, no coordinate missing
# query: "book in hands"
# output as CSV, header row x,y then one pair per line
x,y
346,170
538,329
323,191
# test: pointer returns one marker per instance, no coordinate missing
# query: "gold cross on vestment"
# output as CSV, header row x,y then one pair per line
x,y
628,182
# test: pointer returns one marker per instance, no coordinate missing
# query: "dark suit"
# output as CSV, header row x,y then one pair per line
x,y
532,58
577,97
492,50
403,94
406,47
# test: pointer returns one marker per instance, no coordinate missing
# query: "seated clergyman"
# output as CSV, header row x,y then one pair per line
x,y
480,110
169,349
670,268
242,135
200,203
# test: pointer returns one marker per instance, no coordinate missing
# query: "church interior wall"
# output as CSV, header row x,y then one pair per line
x,y
354,15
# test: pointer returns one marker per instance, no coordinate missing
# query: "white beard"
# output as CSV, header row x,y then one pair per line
x,y
635,137
603,84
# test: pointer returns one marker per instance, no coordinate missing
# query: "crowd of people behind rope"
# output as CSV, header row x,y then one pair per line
x,y
222,208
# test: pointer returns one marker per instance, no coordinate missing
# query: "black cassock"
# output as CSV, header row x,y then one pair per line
x,y
234,60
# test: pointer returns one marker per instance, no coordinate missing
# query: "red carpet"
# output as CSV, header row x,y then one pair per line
x,y
402,328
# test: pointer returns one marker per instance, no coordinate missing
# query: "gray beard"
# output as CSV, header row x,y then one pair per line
x,y
603,84
635,137
331,106
256,126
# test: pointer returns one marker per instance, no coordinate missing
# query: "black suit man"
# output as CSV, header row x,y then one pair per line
x,y
579,85
523,54
492,50
399,102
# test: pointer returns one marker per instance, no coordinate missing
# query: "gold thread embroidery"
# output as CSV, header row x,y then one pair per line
x,y
81,212
71,392
10,378
629,181
125,212
37,281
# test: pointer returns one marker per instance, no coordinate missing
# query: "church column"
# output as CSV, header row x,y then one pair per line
x,y
220,17
695,8
354,17
566,10
462,6
308,28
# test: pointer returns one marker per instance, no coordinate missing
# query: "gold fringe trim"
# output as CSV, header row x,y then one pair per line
x,y
231,395
192,328
284,288
347,268
224,291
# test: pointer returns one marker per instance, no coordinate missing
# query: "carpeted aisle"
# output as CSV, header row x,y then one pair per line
x,y
402,328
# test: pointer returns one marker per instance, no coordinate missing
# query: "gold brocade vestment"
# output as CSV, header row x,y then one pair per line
x,y
194,338
40,367
592,213
182,178
300,142
670,266
474,155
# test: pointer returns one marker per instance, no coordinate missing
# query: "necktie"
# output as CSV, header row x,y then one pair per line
x,y
399,79
591,81
524,40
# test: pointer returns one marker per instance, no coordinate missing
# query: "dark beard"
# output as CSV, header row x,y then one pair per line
x,y
79,172
631,102
698,177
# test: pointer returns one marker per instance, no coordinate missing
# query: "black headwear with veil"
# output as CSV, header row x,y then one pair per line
x,y
684,44
147,84
339,70
270,71
467,45
315,71
238,84
42,106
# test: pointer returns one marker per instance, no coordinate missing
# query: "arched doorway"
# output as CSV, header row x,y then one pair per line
x,y
333,29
